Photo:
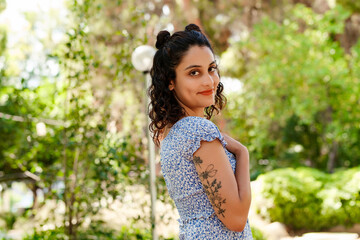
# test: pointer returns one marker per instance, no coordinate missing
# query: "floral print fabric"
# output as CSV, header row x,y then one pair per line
x,y
197,217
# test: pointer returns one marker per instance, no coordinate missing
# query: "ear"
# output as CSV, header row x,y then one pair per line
x,y
171,85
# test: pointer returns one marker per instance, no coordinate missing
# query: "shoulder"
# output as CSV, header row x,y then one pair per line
x,y
196,126
187,134
196,129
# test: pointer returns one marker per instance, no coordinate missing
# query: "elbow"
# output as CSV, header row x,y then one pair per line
x,y
237,226
236,220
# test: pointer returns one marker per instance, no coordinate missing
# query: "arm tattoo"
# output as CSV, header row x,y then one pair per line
x,y
211,185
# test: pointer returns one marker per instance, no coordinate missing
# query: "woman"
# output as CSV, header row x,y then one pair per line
x,y
206,172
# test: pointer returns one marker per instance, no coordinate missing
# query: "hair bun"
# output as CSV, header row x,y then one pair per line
x,y
192,27
162,38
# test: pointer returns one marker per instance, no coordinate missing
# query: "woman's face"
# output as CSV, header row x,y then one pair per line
x,y
196,80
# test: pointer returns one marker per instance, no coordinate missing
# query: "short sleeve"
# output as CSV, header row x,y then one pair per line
x,y
197,129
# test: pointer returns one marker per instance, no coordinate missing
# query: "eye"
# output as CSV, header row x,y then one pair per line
x,y
194,73
213,69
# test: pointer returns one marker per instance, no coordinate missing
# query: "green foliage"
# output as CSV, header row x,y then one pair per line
x,y
3,40
341,198
257,234
2,5
9,219
80,151
294,73
292,195
306,198
47,235
352,5
133,234
24,150
95,231
98,100
93,62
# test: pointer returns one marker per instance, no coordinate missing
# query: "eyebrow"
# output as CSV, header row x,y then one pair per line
x,y
194,66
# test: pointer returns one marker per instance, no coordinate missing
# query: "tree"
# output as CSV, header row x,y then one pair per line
x,y
294,74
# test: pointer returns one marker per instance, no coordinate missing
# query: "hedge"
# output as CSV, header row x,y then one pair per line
x,y
306,198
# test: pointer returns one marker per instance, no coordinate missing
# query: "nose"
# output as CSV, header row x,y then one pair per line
x,y
208,80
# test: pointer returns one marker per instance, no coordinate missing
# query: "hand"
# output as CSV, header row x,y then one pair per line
x,y
234,146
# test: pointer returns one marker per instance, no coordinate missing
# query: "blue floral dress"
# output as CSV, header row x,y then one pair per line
x,y
197,216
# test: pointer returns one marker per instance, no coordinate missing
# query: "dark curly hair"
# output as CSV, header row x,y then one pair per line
x,y
164,109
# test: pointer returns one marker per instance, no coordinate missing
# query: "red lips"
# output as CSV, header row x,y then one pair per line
x,y
208,92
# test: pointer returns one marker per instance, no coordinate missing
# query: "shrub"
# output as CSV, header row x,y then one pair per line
x,y
257,234
128,233
93,232
47,235
306,198
341,198
9,219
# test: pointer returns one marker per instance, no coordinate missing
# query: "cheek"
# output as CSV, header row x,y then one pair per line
x,y
216,81
186,89
189,86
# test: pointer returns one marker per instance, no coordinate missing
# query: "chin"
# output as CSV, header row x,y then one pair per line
x,y
208,105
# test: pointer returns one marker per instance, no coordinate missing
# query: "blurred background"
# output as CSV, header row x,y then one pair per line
x,y
73,127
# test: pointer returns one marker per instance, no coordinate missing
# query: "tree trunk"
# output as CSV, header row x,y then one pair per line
x,y
33,189
351,32
332,157
2,207
73,178
191,14
64,162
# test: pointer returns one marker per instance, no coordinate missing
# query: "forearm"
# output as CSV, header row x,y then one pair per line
x,y
242,175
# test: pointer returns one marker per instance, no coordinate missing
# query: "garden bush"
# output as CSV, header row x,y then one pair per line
x,y
9,218
305,198
257,234
95,232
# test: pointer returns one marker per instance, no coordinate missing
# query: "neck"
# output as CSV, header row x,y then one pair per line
x,y
193,112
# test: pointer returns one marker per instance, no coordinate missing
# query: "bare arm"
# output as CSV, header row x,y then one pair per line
x,y
229,194
242,171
